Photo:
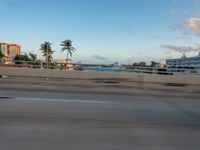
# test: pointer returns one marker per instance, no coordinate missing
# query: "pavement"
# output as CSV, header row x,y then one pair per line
x,y
60,115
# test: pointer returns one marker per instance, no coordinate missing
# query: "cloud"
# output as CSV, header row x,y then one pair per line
x,y
98,57
167,52
157,36
180,14
10,3
175,1
139,53
189,27
182,49
192,1
129,26
182,28
194,25
167,57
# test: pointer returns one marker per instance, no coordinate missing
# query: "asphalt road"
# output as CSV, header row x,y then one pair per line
x,y
143,120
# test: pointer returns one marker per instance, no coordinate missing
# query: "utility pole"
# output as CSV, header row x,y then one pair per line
x,y
47,55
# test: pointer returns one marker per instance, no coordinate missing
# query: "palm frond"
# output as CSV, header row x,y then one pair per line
x,y
67,46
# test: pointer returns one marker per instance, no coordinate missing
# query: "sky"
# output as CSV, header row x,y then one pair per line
x,y
104,31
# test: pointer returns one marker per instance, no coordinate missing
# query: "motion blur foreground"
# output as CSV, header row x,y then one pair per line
x,y
89,113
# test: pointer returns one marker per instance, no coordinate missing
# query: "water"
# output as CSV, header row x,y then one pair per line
x,y
123,70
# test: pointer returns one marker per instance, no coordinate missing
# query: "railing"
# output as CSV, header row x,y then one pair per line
x,y
101,68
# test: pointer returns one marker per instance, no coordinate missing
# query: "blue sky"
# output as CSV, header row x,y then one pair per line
x,y
104,31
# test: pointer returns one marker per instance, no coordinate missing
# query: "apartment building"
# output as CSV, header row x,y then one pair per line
x,y
184,62
10,50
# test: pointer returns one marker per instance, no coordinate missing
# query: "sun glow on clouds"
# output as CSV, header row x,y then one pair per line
x,y
194,24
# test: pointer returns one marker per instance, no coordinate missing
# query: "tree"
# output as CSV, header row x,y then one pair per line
x,y
20,58
154,64
2,59
47,52
1,54
67,46
32,56
143,64
26,57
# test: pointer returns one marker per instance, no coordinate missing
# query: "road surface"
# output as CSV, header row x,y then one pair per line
x,y
98,120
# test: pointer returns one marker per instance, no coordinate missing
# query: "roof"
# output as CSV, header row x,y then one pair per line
x,y
10,44
13,45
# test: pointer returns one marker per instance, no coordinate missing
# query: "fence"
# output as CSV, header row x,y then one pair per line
x,y
99,76
102,68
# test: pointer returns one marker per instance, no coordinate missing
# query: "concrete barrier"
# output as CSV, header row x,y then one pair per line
x,y
128,77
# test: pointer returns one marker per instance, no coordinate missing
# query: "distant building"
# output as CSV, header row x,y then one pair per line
x,y
184,62
65,64
10,51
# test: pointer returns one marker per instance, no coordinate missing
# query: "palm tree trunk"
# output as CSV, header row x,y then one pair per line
x,y
67,60
67,55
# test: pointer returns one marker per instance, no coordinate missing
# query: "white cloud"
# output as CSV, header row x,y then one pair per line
x,y
194,25
189,27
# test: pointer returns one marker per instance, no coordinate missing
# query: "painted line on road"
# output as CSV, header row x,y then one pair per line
x,y
60,100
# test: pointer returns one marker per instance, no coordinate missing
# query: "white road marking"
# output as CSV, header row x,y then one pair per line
x,y
60,100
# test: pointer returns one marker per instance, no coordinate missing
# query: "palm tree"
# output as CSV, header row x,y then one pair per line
x,y
47,52
67,45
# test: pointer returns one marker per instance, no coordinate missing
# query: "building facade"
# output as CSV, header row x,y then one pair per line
x,y
66,64
10,50
184,62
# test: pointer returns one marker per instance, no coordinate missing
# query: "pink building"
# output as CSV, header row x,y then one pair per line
x,y
10,50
